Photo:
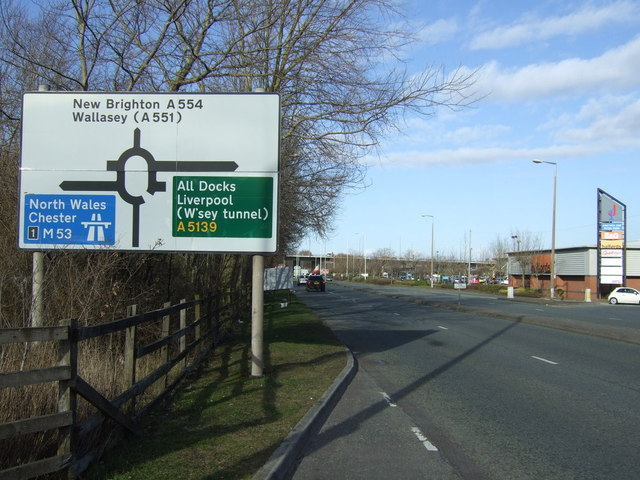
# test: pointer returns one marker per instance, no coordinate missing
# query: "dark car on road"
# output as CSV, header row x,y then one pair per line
x,y
316,283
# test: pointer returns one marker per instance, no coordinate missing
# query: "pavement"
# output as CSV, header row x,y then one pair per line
x,y
285,460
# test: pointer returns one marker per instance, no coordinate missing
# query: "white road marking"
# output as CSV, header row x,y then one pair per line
x,y
397,314
387,399
424,440
544,360
442,328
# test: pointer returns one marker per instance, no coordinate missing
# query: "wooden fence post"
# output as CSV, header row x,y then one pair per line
x,y
183,338
164,351
130,355
67,400
197,317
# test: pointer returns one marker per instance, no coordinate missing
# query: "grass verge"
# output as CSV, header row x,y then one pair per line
x,y
223,423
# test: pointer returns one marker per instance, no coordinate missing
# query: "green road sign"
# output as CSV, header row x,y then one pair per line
x,y
239,207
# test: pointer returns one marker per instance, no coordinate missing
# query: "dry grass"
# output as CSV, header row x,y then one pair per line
x,y
100,363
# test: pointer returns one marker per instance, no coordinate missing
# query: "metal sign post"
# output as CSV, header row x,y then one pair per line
x,y
459,287
257,316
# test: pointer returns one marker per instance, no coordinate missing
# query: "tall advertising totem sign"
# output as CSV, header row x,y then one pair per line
x,y
149,171
612,225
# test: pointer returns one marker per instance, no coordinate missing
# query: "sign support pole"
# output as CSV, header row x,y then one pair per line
x,y
37,282
257,310
257,316
37,274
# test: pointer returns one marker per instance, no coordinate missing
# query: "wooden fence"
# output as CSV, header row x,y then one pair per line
x,y
180,336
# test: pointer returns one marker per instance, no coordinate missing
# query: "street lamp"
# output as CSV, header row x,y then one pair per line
x,y
517,239
519,257
553,226
347,259
433,223
364,252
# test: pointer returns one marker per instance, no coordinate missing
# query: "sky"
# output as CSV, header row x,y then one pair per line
x,y
558,81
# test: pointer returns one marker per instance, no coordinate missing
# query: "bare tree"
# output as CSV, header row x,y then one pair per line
x,y
381,261
526,244
334,64
498,252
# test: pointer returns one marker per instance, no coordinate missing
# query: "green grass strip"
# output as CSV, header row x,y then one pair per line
x,y
223,423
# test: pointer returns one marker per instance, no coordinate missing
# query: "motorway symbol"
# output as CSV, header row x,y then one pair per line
x,y
153,185
96,228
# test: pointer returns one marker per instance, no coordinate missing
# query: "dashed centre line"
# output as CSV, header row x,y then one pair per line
x,y
416,431
442,328
387,399
544,360
424,440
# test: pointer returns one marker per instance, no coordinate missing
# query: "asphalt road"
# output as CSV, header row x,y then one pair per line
x,y
596,312
447,394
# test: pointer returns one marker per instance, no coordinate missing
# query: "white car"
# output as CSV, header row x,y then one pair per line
x,y
624,295
302,279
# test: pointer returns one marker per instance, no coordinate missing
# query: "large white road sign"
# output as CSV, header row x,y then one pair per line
x,y
150,172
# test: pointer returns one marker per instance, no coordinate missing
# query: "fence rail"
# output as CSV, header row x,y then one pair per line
x,y
177,338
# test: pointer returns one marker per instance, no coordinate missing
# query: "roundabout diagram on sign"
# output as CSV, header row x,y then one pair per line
x,y
153,184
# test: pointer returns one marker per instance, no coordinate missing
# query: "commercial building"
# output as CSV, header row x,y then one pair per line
x,y
576,271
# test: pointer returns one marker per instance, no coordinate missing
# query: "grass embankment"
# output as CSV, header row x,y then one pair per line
x,y
224,424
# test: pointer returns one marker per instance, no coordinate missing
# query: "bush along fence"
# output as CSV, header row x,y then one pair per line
x,y
147,354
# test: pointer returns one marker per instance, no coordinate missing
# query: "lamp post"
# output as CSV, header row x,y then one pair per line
x,y
433,223
364,252
517,239
347,259
553,227
519,257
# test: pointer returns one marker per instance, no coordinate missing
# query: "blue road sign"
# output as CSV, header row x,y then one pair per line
x,y
58,219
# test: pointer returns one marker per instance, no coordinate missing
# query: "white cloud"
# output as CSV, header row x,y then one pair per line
x,y
590,111
474,133
481,156
597,107
618,68
444,129
600,126
579,107
587,19
619,128
439,31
